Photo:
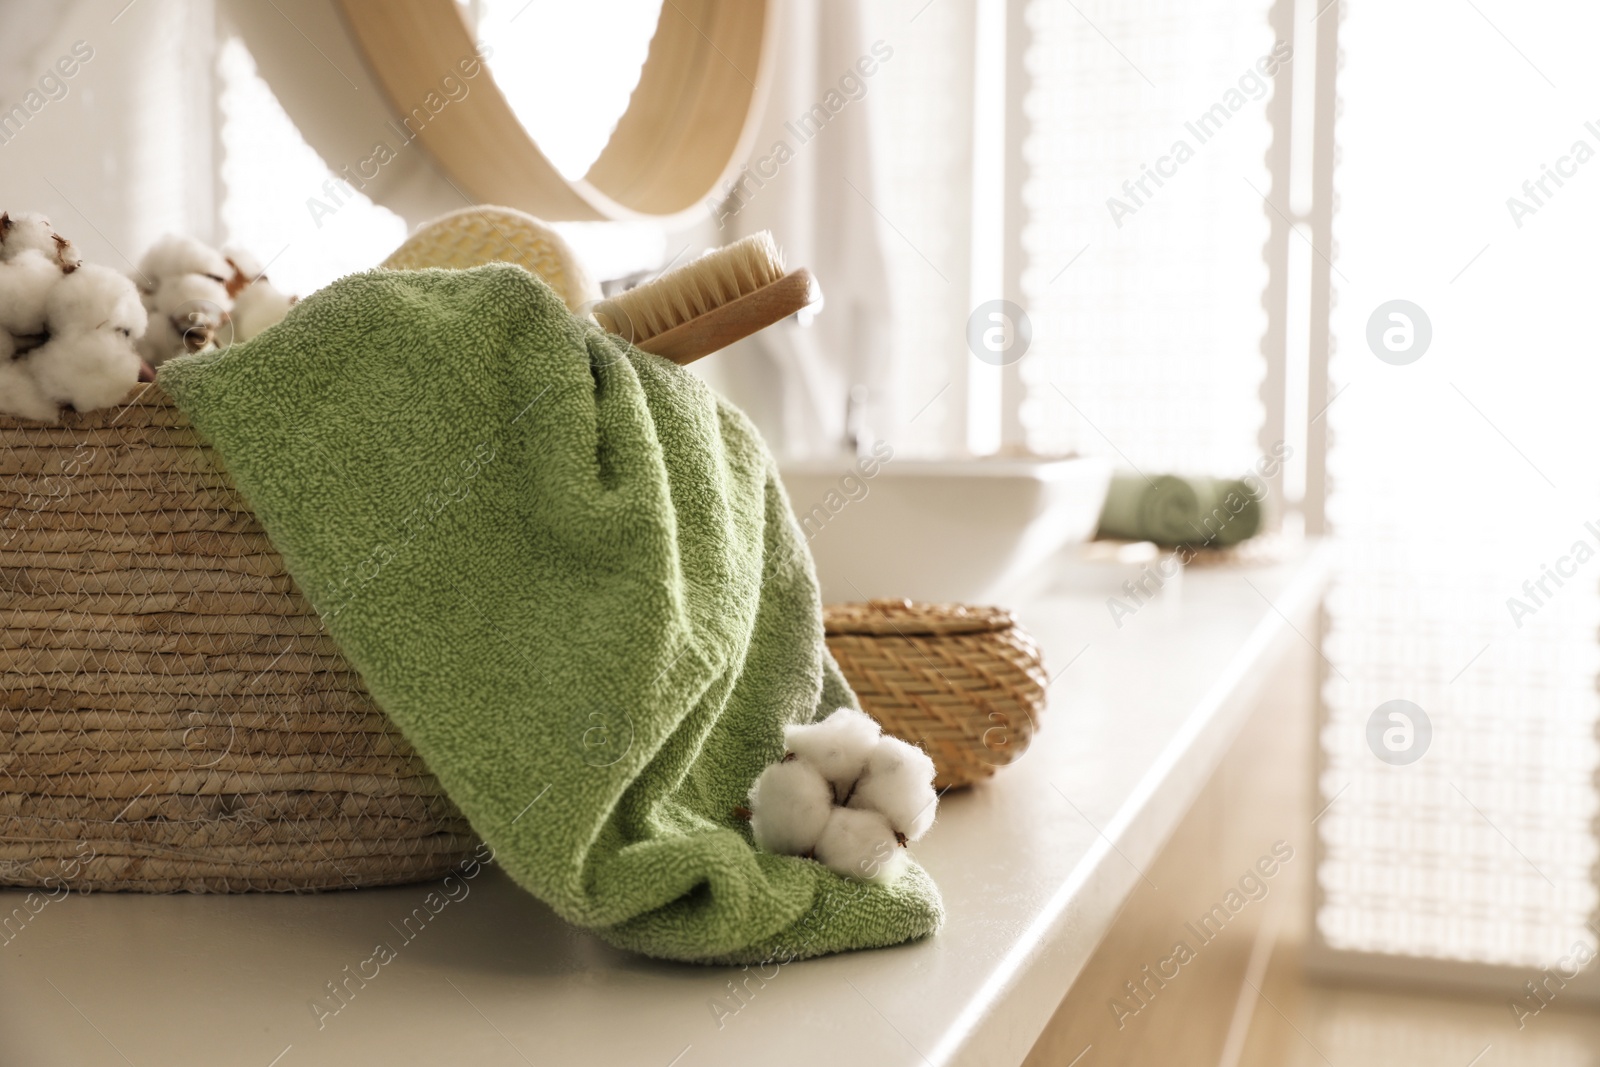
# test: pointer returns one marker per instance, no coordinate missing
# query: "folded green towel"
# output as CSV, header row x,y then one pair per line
x,y
1170,510
568,572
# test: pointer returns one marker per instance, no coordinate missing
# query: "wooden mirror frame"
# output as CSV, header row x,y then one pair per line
x,y
688,125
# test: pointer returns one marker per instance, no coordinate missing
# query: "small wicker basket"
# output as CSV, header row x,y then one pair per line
x,y
966,683
172,715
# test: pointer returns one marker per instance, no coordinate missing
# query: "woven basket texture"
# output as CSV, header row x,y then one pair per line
x,y
172,714
174,717
965,683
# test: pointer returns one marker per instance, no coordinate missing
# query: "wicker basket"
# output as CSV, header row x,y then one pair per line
x,y
172,715
966,683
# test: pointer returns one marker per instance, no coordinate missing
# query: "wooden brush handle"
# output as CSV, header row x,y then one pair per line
x,y
736,319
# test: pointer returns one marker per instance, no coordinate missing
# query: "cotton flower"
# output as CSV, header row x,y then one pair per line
x,y
89,370
898,782
93,316
67,330
184,286
188,313
789,804
860,844
95,297
20,394
837,746
247,267
175,291
66,254
26,280
25,231
257,306
161,341
198,296
257,303
846,795
175,255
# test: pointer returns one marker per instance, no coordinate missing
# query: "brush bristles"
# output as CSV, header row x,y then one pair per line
x,y
715,279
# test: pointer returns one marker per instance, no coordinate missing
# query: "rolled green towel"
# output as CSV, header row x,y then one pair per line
x,y
568,572
1164,509
1171,510
1229,511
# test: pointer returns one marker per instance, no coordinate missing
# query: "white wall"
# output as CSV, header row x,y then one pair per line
x,y
126,151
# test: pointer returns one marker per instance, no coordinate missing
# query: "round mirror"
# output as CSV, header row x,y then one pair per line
x,y
692,98
568,98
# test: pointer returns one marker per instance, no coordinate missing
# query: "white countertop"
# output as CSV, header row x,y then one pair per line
x,y
1136,724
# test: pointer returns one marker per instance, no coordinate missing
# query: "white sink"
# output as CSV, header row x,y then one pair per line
x,y
941,530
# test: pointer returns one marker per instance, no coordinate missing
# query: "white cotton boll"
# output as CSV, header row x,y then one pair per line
x,y
161,341
183,293
898,782
175,255
837,746
258,306
66,254
244,262
789,805
26,280
22,231
95,298
20,394
861,844
187,312
88,370
93,316
185,287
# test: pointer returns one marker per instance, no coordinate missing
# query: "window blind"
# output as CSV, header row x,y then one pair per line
x,y
1462,493
1144,231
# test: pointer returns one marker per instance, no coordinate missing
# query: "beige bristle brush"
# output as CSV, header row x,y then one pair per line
x,y
724,296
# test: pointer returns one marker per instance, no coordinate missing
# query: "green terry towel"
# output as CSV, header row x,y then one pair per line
x,y
1229,511
1170,510
568,571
